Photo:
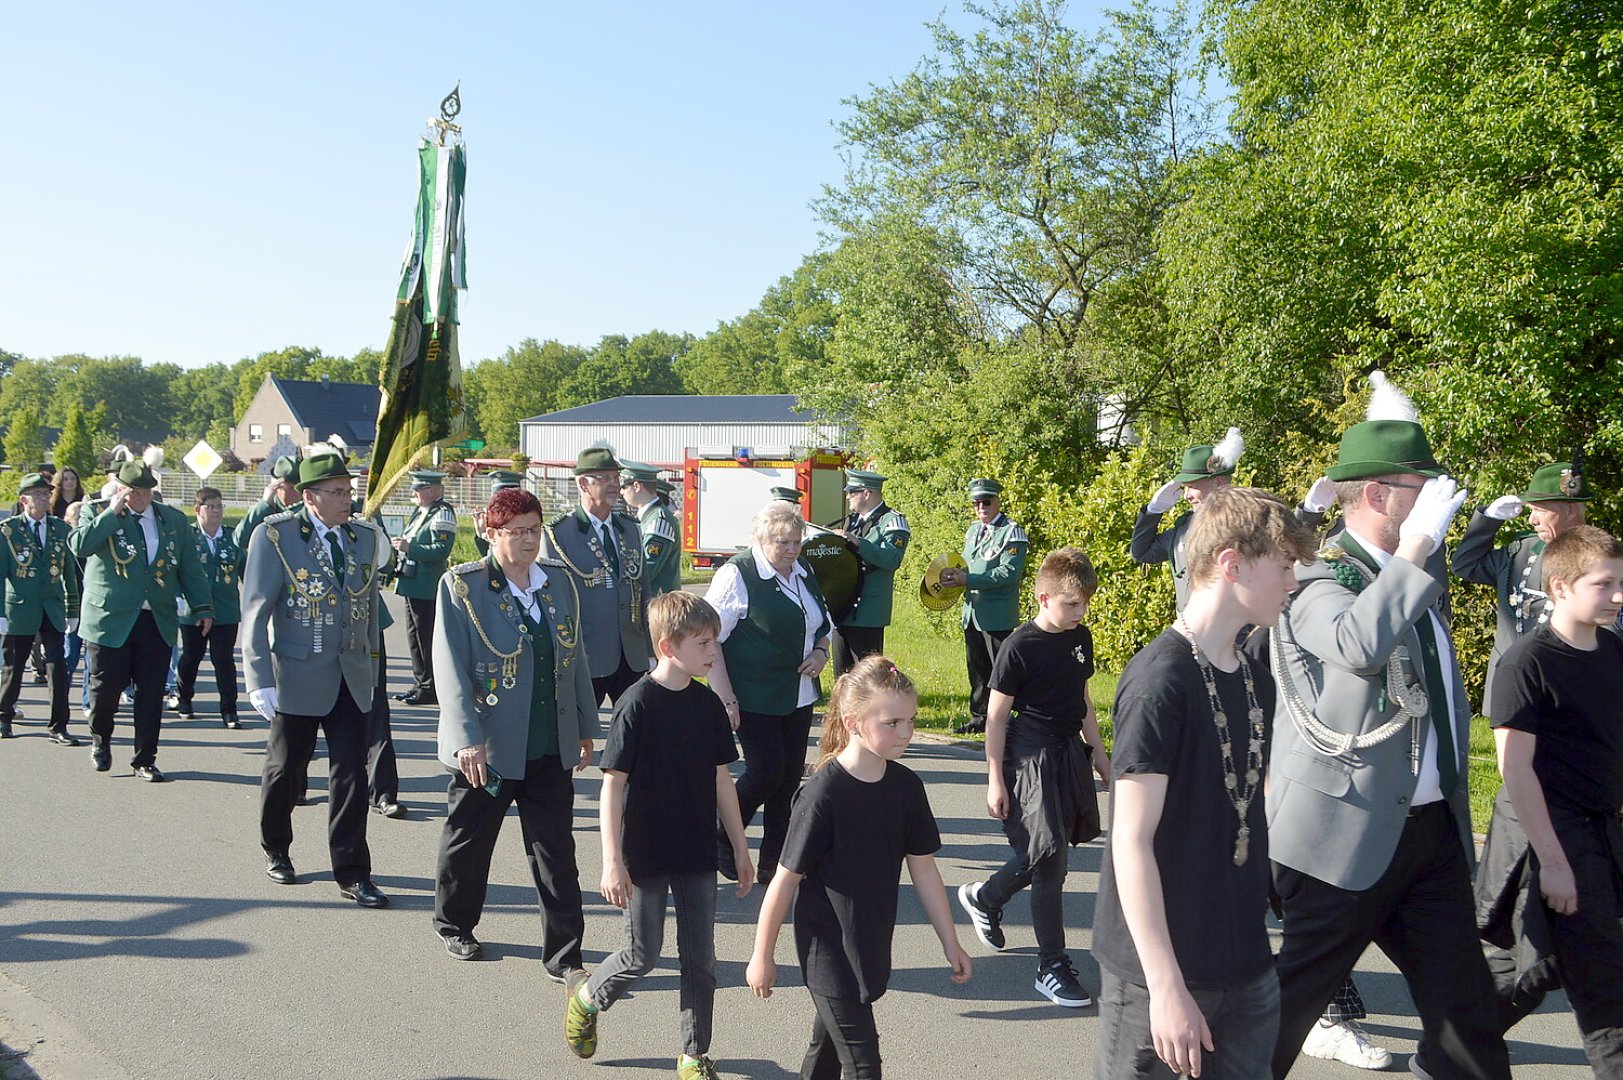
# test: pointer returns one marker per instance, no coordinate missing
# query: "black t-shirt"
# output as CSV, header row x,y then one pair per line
x,y
849,838
1216,911
1573,701
669,743
1047,675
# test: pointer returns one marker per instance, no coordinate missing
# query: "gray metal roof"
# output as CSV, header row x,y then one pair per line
x,y
348,410
682,409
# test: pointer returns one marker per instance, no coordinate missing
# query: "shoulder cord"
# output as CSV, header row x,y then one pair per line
x,y
1412,702
460,586
275,537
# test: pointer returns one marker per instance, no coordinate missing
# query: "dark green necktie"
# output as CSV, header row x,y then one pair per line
x,y
1442,721
337,554
609,553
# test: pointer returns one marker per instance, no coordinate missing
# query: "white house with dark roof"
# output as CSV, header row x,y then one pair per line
x,y
305,411
659,428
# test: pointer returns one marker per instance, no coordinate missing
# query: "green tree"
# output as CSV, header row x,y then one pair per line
x,y
523,382
32,385
24,444
76,447
645,364
293,362
136,395
779,343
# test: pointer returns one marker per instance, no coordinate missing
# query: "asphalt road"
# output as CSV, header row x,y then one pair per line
x,y
140,938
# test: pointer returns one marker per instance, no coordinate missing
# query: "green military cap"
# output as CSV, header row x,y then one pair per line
x,y
135,474
1198,465
787,494
981,487
1558,482
45,467
286,468
596,459
1381,448
323,466
638,472
505,478
426,478
33,480
863,480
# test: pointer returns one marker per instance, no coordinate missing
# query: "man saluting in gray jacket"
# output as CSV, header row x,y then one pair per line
x,y
1369,825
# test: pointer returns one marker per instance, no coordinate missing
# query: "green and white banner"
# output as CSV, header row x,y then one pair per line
x,y
422,402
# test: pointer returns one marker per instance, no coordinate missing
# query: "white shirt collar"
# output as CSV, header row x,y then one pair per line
x,y
215,536
1382,557
538,581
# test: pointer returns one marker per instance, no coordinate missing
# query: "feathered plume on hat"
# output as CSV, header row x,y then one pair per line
x,y
1226,454
1387,402
342,446
153,456
120,454
323,449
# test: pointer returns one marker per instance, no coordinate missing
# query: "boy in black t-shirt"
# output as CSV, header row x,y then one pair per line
x,y
1040,734
1180,930
664,780
1558,721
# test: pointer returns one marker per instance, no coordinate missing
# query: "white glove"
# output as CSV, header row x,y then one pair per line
x,y
1504,507
73,626
2,624
1321,496
1439,500
264,702
1165,497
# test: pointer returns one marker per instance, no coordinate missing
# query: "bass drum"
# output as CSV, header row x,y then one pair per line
x,y
838,570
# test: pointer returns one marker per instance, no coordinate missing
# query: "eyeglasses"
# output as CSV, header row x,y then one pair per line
x,y
211,506
991,501
606,481
344,491
35,495
1391,483
519,534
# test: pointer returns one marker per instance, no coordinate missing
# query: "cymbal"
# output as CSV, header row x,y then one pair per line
x,y
934,595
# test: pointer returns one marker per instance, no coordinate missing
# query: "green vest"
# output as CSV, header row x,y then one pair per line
x,y
765,650
543,738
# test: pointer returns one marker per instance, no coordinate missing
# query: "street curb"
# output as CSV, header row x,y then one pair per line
x,y
41,1044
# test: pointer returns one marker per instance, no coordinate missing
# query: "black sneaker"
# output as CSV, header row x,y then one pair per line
x,y
1058,983
972,726
988,924
462,946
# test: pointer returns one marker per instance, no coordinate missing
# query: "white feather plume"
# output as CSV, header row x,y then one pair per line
x,y
334,440
321,449
1387,402
153,456
121,453
1226,454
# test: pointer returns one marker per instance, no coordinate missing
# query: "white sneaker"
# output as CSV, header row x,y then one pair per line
x,y
1345,1042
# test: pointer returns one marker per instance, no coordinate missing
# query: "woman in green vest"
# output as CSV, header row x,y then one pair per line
x,y
774,645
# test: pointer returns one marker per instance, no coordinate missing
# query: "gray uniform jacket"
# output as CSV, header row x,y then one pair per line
x,y
614,618
1339,817
474,596
303,632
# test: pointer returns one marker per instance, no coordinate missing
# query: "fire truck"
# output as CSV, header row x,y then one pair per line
x,y
724,486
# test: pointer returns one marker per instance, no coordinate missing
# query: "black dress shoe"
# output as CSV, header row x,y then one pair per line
x,y
364,893
389,808
5,729
230,722
184,708
150,773
101,758
279,868
404,695
62,738
970,727
39,678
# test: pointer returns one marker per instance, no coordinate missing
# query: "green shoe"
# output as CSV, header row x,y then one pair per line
x,y
699,1068
580,1027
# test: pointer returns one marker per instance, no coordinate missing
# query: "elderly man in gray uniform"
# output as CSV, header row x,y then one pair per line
x,y
310,645
1368,815
602,548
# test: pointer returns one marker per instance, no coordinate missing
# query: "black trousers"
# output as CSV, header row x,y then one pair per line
x,y
844,1042
382,771
15,650
221,643
420,639
616,683
546,816
774,750
852,643
143,659
292,740
980,649
1421,914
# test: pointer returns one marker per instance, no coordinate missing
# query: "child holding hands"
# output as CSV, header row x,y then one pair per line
x,y
855,821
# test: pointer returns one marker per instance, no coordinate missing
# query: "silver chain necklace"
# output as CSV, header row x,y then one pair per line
x,y
1241,790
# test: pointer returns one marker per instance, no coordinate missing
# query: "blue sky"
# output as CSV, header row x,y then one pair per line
x,y
200,182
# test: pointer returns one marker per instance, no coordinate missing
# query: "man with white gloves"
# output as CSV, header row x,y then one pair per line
x,y
1369,821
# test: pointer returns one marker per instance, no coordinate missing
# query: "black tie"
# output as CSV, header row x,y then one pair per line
x,y
39,529
609,552
1442,721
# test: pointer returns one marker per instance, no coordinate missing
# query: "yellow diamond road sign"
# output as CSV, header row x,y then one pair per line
x,y
203,459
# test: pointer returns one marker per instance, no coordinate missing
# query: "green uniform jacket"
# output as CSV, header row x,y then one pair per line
x,y
118,580
256,514
881,541
429,535
39,583
224,567
996,559
661,546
